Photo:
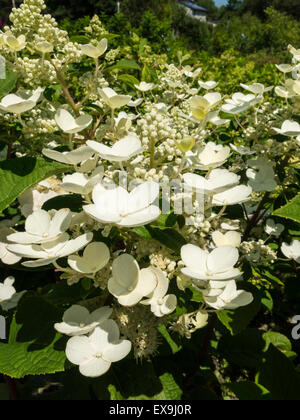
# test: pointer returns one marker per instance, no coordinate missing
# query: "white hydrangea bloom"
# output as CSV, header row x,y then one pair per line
x,y
292,251
95,354
69,124
121,151
95,256
18,104
6,289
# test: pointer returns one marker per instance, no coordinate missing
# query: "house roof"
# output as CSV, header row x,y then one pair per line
x,y
193,6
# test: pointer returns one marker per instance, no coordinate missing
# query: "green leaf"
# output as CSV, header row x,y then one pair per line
x,y
142,231
279,376
8,84
17,175
128,79
168,237
72,201
171,390
280,341
249,391
34,346
165,333
290,210
124,64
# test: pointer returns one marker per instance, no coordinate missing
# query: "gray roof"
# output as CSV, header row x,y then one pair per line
x,y
193,6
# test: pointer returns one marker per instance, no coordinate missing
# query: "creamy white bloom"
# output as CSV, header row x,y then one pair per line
x,y
240,103
33,200
274,229
227,298
6,256
236,195
42,226
257,88
229,238
210,85
44,47
79,183
136,103
214,118
128,283
112,99
95,51
123,208
69,124
219,180
77,320
71,158
285,68
292,251
145,87
95,354
18,104
15,44
242,150
121,151
6,289
161,303
289,128
95,257
50,252
210,156
202,105
217,265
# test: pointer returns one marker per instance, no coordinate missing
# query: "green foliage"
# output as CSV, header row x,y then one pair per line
x,y
17,175
290,210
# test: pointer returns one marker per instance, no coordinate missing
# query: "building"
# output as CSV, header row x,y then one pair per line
x,y
194,11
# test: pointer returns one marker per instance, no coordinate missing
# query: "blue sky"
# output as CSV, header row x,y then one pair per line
x,y
220,2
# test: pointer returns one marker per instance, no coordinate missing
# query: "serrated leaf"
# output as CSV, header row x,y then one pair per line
x,y
290,210
17,175
171,390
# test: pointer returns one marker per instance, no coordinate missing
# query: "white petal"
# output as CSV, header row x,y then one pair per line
x,y
117,351
141,218
222,259
94,367
126,271
194,258
79,350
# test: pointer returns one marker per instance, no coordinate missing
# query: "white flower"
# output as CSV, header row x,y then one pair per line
x,y
6,289
18,104
42,226
145,87
285,68
129,284
15,44
121,151
161,303
44,47
95,51
48,253
96,353
32,200
79,183
228,298
202,105
235,195
257,88
210,156
217,265
122,208
261,176
292,251
273,228
77,320
6,256
95,257
214,118
69,124
71,158
112,99
240,103
289,128
135,103
242,150
210,85
219,180
229,238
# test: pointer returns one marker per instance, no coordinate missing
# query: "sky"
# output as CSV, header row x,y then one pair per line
x,y
220,2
